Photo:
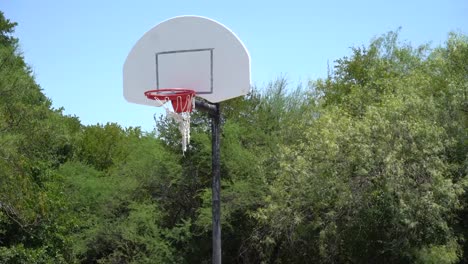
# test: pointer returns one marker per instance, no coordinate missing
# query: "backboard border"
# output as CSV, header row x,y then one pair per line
x,y
185,51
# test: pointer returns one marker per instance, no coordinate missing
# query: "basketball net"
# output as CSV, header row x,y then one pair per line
x,y
182,119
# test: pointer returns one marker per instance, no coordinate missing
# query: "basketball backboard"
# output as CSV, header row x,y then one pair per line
x,y
188,52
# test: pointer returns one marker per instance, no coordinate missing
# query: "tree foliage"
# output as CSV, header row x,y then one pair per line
x,y
368,165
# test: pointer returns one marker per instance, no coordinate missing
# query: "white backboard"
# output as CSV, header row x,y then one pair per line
x,y
188,52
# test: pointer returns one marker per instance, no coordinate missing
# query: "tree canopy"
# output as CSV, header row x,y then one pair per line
x,y
367,165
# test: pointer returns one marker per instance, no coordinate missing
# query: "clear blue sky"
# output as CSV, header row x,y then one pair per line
x,y
77,48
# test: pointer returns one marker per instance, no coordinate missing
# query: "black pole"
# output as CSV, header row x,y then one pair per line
x,y
214,111
216,184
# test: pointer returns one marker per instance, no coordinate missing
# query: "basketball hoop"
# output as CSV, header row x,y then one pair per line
x,y
183,102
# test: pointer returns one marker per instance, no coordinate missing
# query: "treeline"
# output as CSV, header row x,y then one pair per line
x,y
368,165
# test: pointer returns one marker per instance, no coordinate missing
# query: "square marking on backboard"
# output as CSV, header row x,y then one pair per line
x,y
190,69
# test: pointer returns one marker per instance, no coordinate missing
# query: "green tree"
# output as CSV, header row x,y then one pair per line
x,y
34,140
368,165
373,178
6,30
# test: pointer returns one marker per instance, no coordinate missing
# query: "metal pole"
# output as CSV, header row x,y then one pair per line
x,y
214,111
216,184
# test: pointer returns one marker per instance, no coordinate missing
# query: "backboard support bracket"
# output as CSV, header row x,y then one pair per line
x,y
210,109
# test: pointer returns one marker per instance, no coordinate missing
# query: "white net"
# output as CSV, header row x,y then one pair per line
x,y
183,118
